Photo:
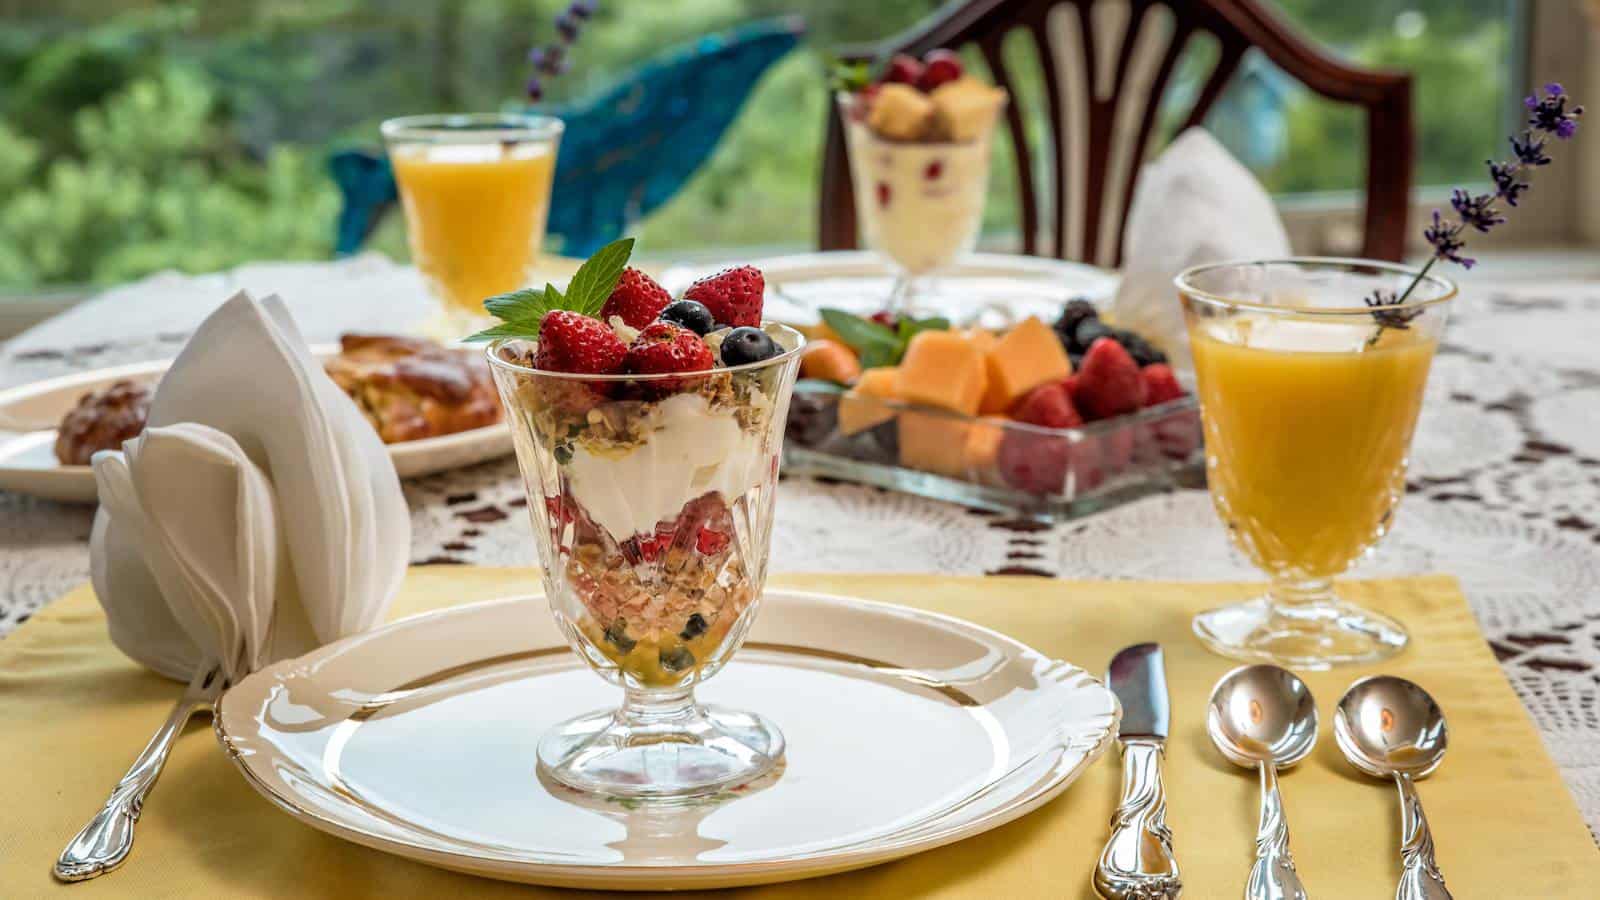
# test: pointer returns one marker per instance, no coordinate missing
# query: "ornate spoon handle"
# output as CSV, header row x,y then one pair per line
x,y
1137,863
104,843
1273,877
1419,876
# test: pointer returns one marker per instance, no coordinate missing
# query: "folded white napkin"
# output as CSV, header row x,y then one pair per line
x,y
258,516
1194,204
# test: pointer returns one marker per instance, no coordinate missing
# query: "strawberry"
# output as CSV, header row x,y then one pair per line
x,y
573,342
711,542
1109,383
1048,405
637,298
1160,384
939,67
733,295
1071,384
1036,463
903,69
663,348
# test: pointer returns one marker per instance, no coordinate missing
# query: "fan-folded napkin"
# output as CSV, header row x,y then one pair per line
x,y
1194,204
257,516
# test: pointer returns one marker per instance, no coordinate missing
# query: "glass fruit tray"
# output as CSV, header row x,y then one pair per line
x,y
994,463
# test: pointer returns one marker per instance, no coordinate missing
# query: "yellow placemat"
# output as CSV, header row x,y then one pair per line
x,y
74,712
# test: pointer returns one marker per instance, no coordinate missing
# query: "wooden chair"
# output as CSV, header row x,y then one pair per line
x,y
1106,66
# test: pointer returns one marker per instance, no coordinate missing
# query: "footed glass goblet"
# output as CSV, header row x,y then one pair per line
x,y
652,501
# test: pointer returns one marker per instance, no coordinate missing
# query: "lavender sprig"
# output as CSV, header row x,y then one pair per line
x,y
551,60
1548,116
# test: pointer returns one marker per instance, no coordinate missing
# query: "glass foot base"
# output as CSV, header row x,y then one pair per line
x,y
1318,637
696,751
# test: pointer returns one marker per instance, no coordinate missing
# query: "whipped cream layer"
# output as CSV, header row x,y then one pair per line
x,y
692,450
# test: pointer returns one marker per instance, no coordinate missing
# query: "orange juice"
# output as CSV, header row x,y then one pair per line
x,y
475,214
1307,432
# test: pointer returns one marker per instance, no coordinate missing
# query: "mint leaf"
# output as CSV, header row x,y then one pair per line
x,y
526,305
863,335
597,277
519,329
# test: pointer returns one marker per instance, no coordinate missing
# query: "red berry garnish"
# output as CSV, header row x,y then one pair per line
x,y
939,67
933,170
883,193
903,69
637,298
573,342
665,348
734,296
1160,384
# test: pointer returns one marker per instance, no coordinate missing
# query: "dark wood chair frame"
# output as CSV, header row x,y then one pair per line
x,y
1237,26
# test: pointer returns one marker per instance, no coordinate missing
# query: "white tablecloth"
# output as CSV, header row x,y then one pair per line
x,y
1504,493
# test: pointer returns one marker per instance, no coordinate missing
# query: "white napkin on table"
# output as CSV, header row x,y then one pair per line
x,y
257,517
1193,204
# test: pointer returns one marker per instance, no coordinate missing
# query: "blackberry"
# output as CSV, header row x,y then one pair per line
x,y
1087,332
1076,310
1143,352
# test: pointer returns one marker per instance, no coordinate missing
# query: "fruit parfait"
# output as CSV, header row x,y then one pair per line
x,y
648,431
918,140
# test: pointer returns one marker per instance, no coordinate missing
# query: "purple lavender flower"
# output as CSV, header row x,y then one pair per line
x,y
1506,183
581,9
568,27
1550,115
551,60
1529,149
1476,211
535,89
1446,240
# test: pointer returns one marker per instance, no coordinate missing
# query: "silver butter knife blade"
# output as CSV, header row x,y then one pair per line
x,y
1138,677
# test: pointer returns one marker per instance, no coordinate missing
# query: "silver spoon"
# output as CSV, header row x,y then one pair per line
x,y
1263,717
1390,728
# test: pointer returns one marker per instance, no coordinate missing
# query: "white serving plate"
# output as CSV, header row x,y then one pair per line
x,y
28,463
906,731
992,288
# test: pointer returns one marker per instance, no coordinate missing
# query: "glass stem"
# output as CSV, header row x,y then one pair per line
x,y
900,297
1306,602
653,715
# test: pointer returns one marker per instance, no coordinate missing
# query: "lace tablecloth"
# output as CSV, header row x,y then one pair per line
x,y
1504,490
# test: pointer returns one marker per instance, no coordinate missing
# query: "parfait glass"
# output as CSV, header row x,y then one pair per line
x,y
918,203
476,192
1309,401
652,502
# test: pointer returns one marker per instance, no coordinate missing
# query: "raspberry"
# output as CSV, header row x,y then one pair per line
x,y
572,342
1160,385
734,296
637,298
1109,384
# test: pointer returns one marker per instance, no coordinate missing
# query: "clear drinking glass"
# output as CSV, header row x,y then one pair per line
x,y
652,500
1308,406
476,193
919,203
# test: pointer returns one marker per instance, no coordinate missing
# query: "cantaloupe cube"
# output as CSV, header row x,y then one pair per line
x,y
982,338
943,369
862,407
1027,356
982,450
934,442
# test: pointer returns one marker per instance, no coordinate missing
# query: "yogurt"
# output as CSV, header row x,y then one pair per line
x,y
920,204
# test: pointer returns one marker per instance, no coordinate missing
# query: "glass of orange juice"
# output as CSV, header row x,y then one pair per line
x,y
476,191
1309,400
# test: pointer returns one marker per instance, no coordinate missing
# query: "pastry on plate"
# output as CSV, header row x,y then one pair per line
x,y
410,388
102,420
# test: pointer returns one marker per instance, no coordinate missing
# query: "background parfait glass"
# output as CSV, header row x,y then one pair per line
x,y
476,192
919,203
1309,402
652,503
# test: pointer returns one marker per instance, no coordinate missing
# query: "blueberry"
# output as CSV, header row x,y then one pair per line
x,y
617,634
691,315
746,344
676,659
1086,333
694,627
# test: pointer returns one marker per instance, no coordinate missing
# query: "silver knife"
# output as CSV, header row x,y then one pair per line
x,y
1137,863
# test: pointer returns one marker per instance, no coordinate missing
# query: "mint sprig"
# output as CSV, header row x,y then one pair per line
x,y
876,344
521,312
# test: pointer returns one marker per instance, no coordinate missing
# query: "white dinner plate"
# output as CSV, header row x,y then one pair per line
x,y
28,463
992,288
906,731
